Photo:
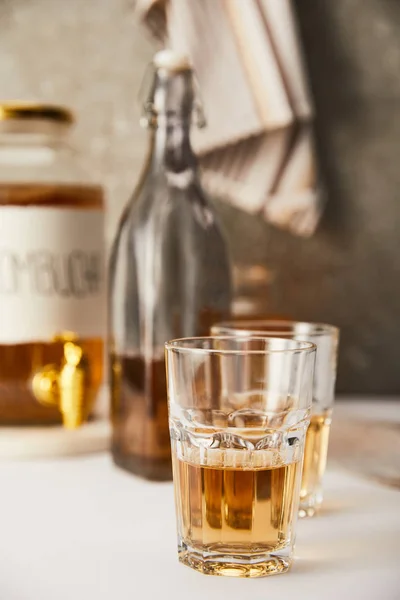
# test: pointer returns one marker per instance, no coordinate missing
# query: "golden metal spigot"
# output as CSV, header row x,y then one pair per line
x,y
66,385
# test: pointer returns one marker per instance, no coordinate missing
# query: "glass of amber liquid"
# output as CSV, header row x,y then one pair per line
x,y
239,408
326,338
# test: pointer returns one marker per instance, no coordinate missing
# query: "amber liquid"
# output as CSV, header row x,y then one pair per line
x,y
140,417
139,408
19,362
315,455
235,511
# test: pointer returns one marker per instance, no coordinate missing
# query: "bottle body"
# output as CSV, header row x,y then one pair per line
x,y
51,281
170,278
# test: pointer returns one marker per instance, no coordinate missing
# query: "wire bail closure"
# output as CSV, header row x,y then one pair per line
x,y
148,118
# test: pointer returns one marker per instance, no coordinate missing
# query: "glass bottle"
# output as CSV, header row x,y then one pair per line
x,y
52,284
170,273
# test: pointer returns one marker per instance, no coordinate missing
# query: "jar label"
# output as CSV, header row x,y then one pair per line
x,y
52,275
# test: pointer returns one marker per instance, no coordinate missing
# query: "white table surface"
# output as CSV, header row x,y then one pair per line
x,y
80,529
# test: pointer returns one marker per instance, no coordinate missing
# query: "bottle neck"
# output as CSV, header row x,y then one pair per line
x,y
171,101
170,144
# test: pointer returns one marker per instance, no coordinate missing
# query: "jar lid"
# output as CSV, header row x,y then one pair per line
x,y
35,112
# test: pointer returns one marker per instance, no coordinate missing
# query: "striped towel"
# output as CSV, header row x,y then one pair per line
x,y
257,152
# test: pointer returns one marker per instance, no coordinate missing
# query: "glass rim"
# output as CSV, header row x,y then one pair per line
x,y
182,345
313,328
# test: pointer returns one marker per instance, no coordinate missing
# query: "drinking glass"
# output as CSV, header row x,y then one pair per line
x,y
238,412
326,338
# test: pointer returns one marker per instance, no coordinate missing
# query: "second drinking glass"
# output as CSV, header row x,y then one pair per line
x,y
326,338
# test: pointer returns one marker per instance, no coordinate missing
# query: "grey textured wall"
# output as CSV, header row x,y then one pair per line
x,y
91,56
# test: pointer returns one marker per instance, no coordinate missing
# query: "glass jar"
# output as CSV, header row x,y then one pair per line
x,y
52,284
